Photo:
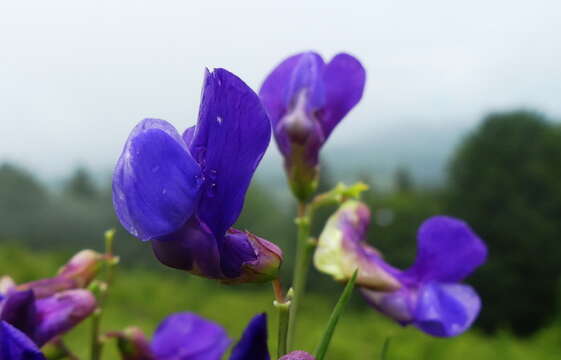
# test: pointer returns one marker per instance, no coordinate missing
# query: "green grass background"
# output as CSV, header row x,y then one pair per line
x,y
143,298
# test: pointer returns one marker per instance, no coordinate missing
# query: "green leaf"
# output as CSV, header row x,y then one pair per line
x,y
334,318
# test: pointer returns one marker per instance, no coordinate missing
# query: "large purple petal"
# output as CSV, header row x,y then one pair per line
x,y
61,312
19,310
186,336
232,134
344,79
448,251
15,345
253,344
192,248
156,181
446,310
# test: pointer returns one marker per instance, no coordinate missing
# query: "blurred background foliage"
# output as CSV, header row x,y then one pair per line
x,y
504,179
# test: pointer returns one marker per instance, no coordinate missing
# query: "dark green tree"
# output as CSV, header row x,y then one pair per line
x,y
505,180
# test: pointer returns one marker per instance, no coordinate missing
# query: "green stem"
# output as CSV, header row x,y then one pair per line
x,y
111,262
284,314
334,319
303,257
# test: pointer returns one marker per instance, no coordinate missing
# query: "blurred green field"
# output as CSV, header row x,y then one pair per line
x,y
143,298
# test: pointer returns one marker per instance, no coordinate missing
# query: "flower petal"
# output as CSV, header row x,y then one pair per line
x,y
344,79
446,310
15,345
156,181
187,336
398,305
19,310
447,251
274,90
342,249
61,312
192,248
253,344
231,137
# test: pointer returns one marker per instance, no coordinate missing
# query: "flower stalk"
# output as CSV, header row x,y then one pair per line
x,y
335,316
103,291
282,304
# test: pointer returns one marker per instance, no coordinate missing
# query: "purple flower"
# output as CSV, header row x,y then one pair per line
x,y
305,99
15,345
43,319
187,336
429,294
184,192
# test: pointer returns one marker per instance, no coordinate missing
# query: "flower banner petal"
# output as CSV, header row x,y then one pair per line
x,y
447,251
232,134
344,79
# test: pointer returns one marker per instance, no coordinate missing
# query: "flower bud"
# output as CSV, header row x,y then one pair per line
x,y
61,312
82,267
6,284
266,263
133,345
80,270
342,249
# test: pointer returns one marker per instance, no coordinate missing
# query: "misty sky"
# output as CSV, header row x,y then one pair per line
x,y
76,76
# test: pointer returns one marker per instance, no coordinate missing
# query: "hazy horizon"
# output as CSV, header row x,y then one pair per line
x,y
78,76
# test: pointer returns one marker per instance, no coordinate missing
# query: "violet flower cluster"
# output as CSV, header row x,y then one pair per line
x,y
32,314
183,192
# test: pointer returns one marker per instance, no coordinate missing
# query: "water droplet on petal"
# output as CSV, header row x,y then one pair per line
x,y
219,120
211,190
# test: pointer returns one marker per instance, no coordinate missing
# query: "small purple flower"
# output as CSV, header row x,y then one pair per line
x,y
305,99
429,294
184,192
15,345
43,319
187,336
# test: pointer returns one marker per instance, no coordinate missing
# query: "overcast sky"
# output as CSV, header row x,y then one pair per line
x,y
76,76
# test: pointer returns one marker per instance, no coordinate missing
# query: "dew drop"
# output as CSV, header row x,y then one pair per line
x,y
219,120
211,190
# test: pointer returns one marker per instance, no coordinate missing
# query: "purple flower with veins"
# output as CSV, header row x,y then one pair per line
x,y
305,99
429,294
15,345
43,319
187,336
184,192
